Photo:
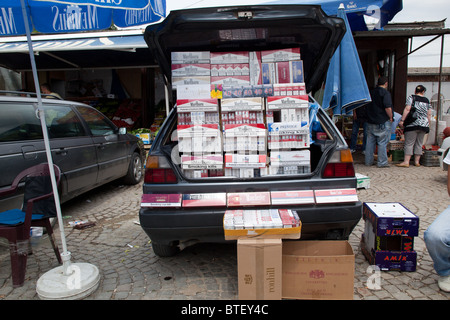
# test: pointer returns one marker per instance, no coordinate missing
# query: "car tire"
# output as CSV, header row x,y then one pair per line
x,y
165,250
135,170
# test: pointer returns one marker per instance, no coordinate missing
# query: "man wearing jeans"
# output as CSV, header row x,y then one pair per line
x,y
437,240
379,122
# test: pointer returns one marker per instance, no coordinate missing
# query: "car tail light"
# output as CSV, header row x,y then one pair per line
x,y
158,170
340,165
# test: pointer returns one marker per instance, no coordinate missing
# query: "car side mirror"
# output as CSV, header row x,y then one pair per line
x,y
123,130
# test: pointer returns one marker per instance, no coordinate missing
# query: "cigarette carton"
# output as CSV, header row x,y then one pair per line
x,y
192,80
292,197
287,102
255,68
231,81
239,104
335,195
204,200
206,105
280,55
161,200
190,57
229,57
191,69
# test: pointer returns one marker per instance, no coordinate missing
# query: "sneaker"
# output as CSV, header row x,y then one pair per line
x,y
353,150
364,152
444,283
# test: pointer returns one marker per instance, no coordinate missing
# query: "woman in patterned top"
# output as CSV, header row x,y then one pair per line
x,y
416,130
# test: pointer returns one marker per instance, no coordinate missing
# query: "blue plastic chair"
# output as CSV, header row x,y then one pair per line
x,y
38,208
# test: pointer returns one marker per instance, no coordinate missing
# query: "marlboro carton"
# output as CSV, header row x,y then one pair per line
x,y
289,89
231,81
245,161
204,200
292,197
192,80
229,57
188,105
255,68
336,195
190,69
280,55
190,57
239,104
287,102
248,199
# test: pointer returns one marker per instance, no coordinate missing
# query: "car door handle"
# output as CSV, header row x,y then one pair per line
x,y
61,151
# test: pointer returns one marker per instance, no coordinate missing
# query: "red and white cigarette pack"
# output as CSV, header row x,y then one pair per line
x,y
188,105
242,199
240,104
190,57
192,80
255,68
230,69
289,89
161,200
229,57
280,55
292,197
231,81
208,130
191,69
204,200
203,161
294,157
287,102
245,160
335,195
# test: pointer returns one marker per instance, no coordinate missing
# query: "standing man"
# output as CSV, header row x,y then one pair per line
x,y
379,122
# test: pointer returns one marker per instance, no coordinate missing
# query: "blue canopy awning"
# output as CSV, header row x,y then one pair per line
x,y
55,17
362,15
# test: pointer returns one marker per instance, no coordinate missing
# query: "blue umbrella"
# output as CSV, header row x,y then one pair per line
x,y
362,15
346,86
74,280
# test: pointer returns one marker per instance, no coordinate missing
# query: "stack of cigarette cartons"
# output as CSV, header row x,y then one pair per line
x,y
191,68
258,105
388,239
259,234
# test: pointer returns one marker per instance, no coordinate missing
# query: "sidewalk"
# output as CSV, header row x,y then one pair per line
x,y
130,270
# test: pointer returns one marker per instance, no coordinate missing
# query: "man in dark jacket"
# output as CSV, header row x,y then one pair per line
x,y
379,121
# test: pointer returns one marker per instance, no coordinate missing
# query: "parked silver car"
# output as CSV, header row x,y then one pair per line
x,y
330,167
88,148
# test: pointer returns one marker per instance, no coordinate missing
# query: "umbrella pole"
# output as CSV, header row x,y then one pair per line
x,y
71,281
41,115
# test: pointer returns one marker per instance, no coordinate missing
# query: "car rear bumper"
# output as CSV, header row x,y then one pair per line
x,y
168,226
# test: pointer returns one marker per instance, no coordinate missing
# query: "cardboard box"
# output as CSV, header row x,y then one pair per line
x,y
319,270
391,219
259,269
362,181
390,260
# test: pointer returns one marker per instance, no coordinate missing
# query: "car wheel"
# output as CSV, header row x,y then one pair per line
x,y
165,250
135,170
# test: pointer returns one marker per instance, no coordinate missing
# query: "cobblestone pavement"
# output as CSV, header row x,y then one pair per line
x,y
130,270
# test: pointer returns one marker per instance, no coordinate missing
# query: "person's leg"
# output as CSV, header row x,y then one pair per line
x,y
410,138
383,140
370,145
437,240
418,147
354,138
